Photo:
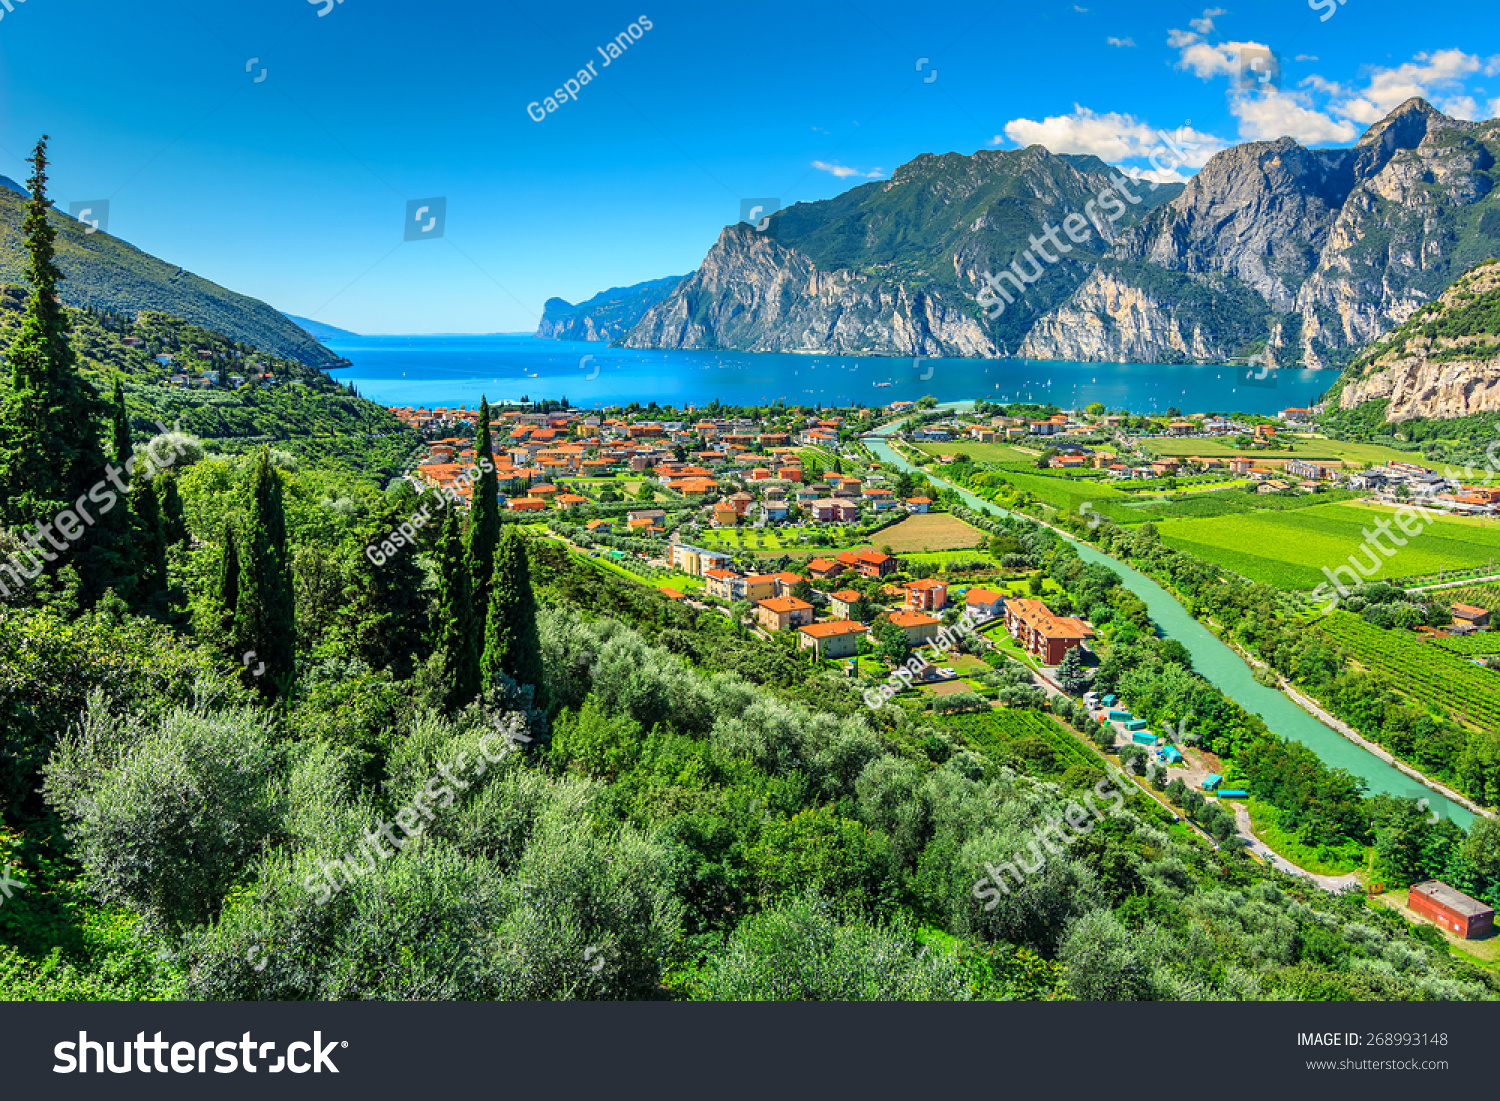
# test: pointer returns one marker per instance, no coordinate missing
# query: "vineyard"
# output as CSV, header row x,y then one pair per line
x,y
1439,678
1481,596
1033,737
1473,645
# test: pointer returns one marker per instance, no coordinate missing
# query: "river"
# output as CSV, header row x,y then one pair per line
x,y
1228,672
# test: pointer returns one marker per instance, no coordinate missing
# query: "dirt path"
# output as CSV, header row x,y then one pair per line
x,y
1276,860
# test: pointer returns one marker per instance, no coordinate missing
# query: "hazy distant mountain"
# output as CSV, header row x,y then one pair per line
x,y
1308,254
607,316
108,273
319,329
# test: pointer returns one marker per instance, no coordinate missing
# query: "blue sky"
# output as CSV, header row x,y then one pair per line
x,y
294,187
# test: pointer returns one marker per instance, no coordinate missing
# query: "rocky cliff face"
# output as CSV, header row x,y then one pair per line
x,y
1308,254
607,316
754,295
1444,362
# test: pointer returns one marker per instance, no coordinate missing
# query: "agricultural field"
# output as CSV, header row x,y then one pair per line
x,y
1438,678
980,452
1288,548
932,531
1032,737
1482,645
1483,595
1358,455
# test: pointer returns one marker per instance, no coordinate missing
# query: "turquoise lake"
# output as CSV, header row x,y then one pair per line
x,y
459,370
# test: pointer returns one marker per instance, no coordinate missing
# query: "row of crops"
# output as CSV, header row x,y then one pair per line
x,y
1482,645
1011,732
1480,596
1439,678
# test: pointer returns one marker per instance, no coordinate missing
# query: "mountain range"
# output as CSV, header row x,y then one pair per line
x,y
607,316
106,273
1303,255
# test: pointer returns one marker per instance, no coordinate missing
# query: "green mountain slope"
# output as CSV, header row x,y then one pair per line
x,y
1442,363
299,408
106,273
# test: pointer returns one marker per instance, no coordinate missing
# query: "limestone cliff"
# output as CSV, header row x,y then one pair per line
x,y
1444,362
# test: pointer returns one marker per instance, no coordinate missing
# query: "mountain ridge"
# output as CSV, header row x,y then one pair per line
x,y
1303,255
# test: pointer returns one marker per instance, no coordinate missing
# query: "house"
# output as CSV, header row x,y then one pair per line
x,y
725,515
833,510
786,582
1264,431
838,638
1240,466
918,504
600,527
983,603
722,583
693,561
657,514
1045,636
783,613
869,563
880,499
919,627
761,586
1468,613
1296,414
842,603
927,595
528,504
775,510
1300,468
824,568
1452,909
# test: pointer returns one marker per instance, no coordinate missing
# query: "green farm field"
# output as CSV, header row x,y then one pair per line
x,y
980,452
1289,548
1356,454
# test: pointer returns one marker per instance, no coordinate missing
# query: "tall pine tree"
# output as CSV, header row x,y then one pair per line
x,y
512,643
265,620
228,590
120,422
151,536
50,452
484,521
458,621
172,518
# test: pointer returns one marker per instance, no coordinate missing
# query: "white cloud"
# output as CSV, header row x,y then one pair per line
x,y
1083,11
1274,114
1113,41
1305,57
1460,107
1114,137
1427,75
844,171
1207,60
1205,25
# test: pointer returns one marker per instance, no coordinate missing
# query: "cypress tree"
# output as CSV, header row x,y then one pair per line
x,y
50,452
265,620
121,423
174,523
383,619
484,522
512,643
458,621
151,559
228,591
